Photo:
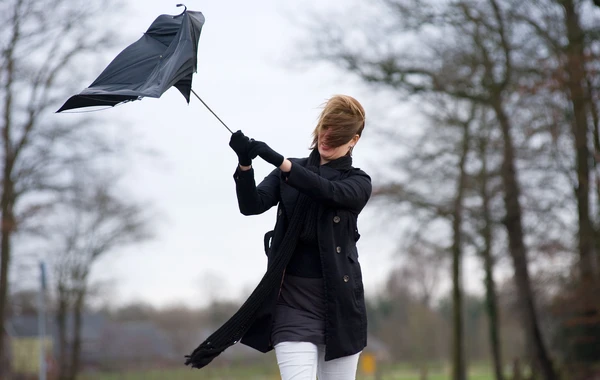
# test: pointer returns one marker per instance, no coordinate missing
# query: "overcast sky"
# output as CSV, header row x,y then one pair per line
x,y
203,246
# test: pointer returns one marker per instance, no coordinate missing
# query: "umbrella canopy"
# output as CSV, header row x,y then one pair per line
x,y
165,56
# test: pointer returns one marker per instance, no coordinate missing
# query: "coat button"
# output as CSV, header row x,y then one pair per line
x,y
338,249
336,219
346,278
280,212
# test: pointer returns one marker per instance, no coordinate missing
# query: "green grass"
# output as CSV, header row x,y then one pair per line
x,y
208,373
400,372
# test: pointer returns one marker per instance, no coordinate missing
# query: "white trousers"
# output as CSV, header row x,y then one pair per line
x,y
306,361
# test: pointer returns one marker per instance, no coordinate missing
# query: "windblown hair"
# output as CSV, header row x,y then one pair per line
x,y
344,117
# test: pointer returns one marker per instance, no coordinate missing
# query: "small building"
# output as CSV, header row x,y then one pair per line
x,y
24,345
133,344
105,344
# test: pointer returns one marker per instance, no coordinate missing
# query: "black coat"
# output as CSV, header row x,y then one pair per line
x,y
341,195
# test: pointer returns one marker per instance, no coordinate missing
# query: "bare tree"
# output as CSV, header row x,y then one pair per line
x,y
579,99
566,31
559,27
468,51
40,44
94,220
486,231
446,161
458,352
442,157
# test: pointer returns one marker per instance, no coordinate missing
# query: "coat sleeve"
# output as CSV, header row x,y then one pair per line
x,y
252,199
350,193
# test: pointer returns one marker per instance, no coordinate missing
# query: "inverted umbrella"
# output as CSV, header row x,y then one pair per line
x,y
165,56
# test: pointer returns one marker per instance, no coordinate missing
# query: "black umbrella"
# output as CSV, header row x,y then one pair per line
x,y
165,56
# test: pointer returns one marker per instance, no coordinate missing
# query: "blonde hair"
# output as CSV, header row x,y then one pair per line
x,y
344,117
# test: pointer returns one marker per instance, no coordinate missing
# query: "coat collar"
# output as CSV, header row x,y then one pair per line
x,y
331,170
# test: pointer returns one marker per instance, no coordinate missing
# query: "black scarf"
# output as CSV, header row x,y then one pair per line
x,y
232,331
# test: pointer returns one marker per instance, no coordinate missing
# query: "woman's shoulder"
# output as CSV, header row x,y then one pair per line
x,y
359,172
352,170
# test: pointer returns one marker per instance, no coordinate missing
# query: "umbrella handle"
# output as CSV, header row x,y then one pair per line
x,y
185,10
206,105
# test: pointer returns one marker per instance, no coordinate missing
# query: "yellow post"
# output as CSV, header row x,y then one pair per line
x,y
368,364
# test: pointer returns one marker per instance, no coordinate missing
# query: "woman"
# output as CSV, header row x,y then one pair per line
x,y
316,320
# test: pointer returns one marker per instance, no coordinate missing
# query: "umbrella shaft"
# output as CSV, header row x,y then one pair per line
x,y
211,111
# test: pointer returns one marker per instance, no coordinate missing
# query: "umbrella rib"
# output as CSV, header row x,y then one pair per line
x,y
211,111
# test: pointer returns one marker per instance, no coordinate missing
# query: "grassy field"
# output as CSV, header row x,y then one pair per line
x,y
270,373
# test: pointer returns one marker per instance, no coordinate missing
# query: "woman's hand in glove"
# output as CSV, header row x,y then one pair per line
x,y
259,148
240,144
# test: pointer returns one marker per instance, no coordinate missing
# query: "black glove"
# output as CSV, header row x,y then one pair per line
x,y
259,148
240,145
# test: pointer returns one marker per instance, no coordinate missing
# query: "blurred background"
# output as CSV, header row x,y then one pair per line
x,y
122,246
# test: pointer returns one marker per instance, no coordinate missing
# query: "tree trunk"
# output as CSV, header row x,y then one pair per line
x,y
458,337
61,321
7,200
596,171
491,299
575,67
587,335
423,372
6,234
514,227
517,374
77,326
7,228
